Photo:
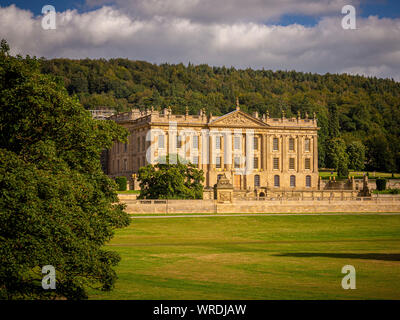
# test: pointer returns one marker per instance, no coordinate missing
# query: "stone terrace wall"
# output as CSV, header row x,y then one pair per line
x,y
374,204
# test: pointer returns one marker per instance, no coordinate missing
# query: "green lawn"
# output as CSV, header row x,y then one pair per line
x,y
282,257
130,192
359,174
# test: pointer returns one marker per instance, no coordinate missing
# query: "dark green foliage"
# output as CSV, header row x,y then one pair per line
x,y
171,181
336,154
342,170
356,153
333,129
381,184
356,107
56,205
121,183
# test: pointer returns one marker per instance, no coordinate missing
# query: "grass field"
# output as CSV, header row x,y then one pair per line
x,y
359,175
282,257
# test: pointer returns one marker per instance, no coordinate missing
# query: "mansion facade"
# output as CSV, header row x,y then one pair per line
x,y
253,152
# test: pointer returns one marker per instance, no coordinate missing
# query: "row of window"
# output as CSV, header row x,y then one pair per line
x,y
236,144
277,180
141,143
307,163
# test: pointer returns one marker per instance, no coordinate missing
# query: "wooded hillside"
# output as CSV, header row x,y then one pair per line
x,y
365,110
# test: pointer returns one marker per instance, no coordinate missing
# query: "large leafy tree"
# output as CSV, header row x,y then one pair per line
x,y
167,180
337,158
356,153
56,205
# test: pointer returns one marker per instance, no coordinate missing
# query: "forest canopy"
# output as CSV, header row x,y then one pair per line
x,y
368,108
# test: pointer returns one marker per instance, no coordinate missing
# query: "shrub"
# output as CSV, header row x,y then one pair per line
x,y
343,170
381,184
121,182
394,191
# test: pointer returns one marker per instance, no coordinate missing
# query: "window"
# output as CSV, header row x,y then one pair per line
x,y
276,163
308,181
307,145
291,144
138,163
219,176
218,142
195,142
291,163
255,143
256,180
255,163
178,141
161,141
237,142
276,181
125,147
144,161
143,143
118,165
138,143
196,160
125,164
218,164
292,181
275,144
307,163
237,162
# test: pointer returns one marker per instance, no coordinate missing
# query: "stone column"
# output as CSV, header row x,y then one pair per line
x,y
300,153
315,154
283,153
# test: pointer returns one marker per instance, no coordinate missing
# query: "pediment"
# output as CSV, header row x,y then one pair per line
x,y
238,118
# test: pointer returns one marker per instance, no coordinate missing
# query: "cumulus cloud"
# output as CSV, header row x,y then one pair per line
x,y
373,49
227,11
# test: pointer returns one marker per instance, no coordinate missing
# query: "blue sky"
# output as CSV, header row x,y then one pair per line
x,y
302,35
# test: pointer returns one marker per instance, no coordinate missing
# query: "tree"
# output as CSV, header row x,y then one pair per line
x,y
337,157
378,152
356,153
56,205
333,125
171,181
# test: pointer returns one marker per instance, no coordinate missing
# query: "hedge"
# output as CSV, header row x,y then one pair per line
x,y
380,184
121,182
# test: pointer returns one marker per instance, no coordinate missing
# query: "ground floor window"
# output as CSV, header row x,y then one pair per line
x,y
308,181
256,180
277,181
292,181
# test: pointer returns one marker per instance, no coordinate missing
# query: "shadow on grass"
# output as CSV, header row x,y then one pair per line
x,y
367,256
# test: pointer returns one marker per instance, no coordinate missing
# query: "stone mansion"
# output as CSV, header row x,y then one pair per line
x,y
254,152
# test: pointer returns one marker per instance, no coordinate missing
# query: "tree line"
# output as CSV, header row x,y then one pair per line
x,y
366,112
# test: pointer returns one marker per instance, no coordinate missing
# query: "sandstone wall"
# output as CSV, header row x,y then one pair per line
x,y
375,204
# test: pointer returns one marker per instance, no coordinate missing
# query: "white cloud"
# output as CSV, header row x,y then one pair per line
x,y
218,11
373,49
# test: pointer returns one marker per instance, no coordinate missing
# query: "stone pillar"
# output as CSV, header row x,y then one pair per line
x,y
315,154
283,154
299,153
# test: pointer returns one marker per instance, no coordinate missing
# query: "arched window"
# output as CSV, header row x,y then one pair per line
x,y
256,180
219,176
277,181
308,181
292,181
